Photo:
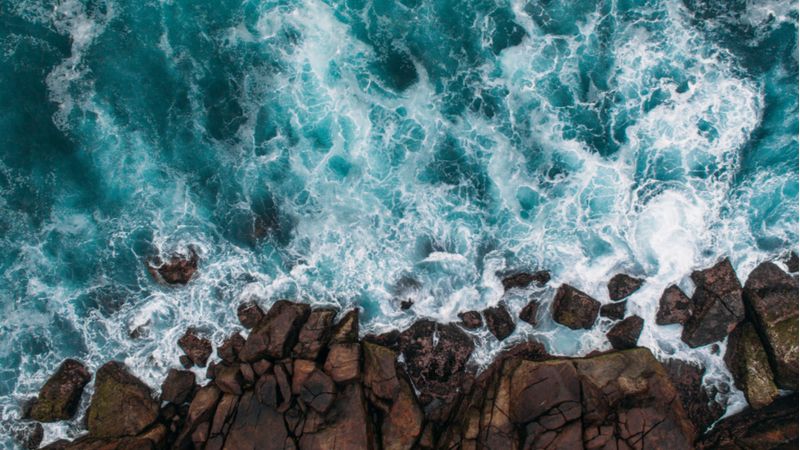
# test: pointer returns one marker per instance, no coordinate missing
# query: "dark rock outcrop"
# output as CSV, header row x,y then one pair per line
x,y
622,285
747,361
122,405
277,332
524,279
471,320
178,386
59,397
772,298
249,314
315,333
574,308
197,348
699,404
717,305
625,334
346,331
499,321
772,427
673,307
230,348
615,310
178,269
529,312
792,262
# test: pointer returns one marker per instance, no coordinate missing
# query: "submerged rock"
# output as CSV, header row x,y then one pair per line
x,y
28,434
673,307
197,348
625,334
772,299
61,394
747,361
524,279
574,308
622,285
614,311
276,334
122,405
717,305
499,321
471,320
178,269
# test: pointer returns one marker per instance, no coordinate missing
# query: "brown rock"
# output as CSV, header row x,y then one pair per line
x,y
622,285
200,414
185,361
772,298
256,426
390,339
346,331
471,320
346,426
197,348
228,378
625,334
61,394
230,348
747,361
529,312
250,314
121,404
177,388
261,367
343,362
318,391
380,374
277,333
28,435
773,427
178,269
574,308
315,333
403,424
673,307
223,414
699,404
717,305
499,321
523,279
614,311
302,369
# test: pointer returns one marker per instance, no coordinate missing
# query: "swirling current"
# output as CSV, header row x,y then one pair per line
x,y
340,151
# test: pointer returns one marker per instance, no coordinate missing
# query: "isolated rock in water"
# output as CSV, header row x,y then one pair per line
x,y
346,331
615,310
747,361
197,348
178,269
405,305
250,314
772,297
524,279
121,404
673,307
773,427
315,333
471,319
574,308
621,286
177,388
436,356
499,321
277,333
717,305
61,394
700,407
791,262
625,334
529,312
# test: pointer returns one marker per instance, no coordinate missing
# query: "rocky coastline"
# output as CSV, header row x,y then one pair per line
x,y
305,378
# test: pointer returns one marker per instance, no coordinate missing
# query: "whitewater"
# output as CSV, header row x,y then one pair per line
x,y
362,152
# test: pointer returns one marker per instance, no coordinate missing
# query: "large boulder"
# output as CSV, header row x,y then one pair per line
x,y
122,405
791,262
529,313
772,427
717,305
614,310
747,361
343,363
346,426
673,307
178,387
258,424
772,298
574,308
177,269
346,331
196,347
249,314
315,333
59,397
697,401
625,334
276,334
499,321
622,285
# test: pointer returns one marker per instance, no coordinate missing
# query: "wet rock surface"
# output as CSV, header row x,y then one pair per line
x,y
747,361
699,404
176,270
197,348
622,285
59,397
524,279
574,308
499,321
625,334
673,307
529,313
717,305
614,311
471,320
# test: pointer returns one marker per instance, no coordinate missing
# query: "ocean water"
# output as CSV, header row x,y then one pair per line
x,y
355,152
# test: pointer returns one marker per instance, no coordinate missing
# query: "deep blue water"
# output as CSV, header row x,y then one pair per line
x,y
333,150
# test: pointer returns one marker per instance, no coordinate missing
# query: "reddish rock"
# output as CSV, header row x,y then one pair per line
x,y
699,404
380,374
390,339
318,391
228,378
277,333
346,331
346,425
178,269
614,311
499,321
223,415
61,394
625,334
529,312
343,362
177,388
717,305
315,333
197,348
121,404
200,414
250,314
773,427
471,320
524,279
230,348
257,426
574,308
673,307
301,370
622,285
402,425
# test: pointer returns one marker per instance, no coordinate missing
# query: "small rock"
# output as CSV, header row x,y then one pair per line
x,y
61,394
315,333
673,307
185,361
197,348
178,386
625,334
121,405
499,321
471,319
747,361
406,304
178,269
343,362
622,285
615,310
717,305
574,308
250,314
277,333
523,279
529,312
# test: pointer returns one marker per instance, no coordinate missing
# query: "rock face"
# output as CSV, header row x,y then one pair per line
x,y
121,405
614,311
499,321
59,397
315,333
772,298
524,279
773,427
717,305
178,386
471,320
277,332
700,407
178,269
249,314
529,312
625,334
574,309
673,307
747,361
622,285
792,262
197,348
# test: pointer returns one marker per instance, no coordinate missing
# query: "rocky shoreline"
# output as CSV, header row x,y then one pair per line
x,y
301,379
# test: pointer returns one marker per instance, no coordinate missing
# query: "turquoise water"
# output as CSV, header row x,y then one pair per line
x,y
332,150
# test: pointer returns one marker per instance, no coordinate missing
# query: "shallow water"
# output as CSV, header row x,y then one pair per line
x,y
351,152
